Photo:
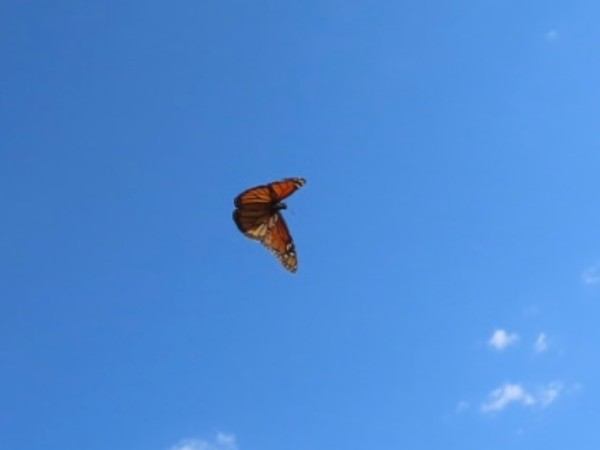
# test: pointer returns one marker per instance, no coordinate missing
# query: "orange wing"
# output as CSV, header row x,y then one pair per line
x,y
254,220
270,193
272,232
279,240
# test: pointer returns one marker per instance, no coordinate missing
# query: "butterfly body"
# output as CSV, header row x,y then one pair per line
x,y
258,216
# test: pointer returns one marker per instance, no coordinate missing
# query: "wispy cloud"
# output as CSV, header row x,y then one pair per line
x,y
501,339
547,394
512,393
574,389
462,406
591,275
541,343
531,311
505,395
223,441
551,35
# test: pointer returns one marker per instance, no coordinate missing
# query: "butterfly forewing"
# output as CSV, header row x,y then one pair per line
x,y
270,193
258,194
284,188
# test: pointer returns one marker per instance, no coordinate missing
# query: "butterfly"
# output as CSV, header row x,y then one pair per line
x,y
257,216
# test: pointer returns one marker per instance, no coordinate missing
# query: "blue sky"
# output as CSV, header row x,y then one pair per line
x,y
448,237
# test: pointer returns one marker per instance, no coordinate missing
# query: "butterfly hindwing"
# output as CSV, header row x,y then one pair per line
x,y
254,222
279,240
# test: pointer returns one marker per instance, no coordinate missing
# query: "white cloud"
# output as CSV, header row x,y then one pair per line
x,y
223,441
591,275
510,393
547,394
541,343
551,35
505,395
501,339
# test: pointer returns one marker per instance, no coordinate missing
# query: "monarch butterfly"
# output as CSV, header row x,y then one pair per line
x,y
257,216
